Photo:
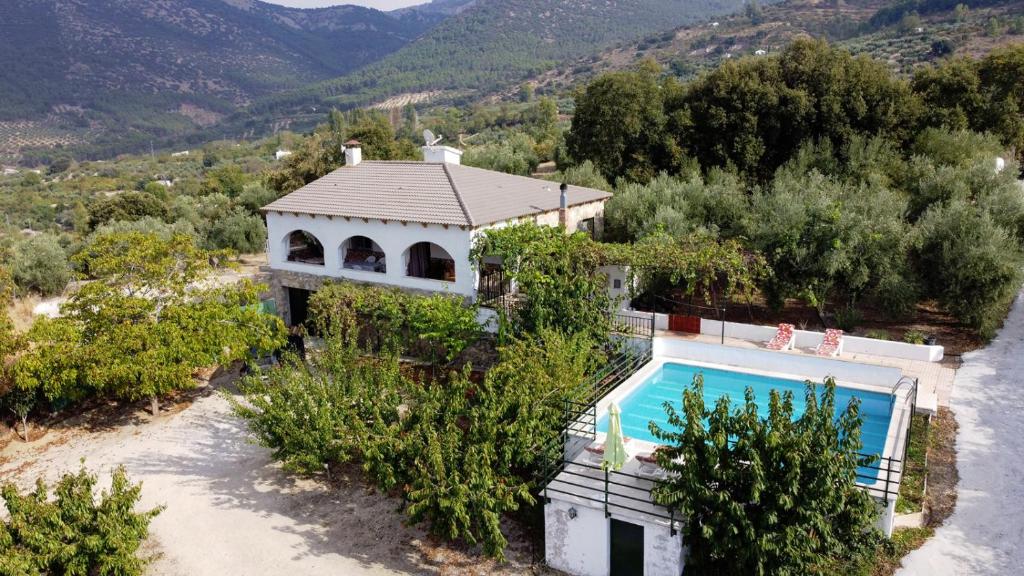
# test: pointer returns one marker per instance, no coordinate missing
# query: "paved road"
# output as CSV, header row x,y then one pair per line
x,y
985,534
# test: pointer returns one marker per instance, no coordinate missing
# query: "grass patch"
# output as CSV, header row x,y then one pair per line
x,y
889,554
911,495
884,558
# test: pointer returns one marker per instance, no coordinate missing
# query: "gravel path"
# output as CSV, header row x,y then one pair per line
x,y
985,534
229,510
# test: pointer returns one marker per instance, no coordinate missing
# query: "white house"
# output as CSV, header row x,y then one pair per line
x,y
282,153
407,224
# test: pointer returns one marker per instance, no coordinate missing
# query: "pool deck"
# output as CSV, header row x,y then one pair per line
x,y
935,379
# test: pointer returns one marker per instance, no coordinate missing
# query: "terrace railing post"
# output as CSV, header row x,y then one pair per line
x,y
606,513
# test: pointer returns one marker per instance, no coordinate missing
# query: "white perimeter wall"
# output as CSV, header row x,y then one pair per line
x,y
581,546
811,367
394,238
808,339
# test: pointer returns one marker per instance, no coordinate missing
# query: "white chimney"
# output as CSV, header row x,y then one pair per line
x,y
353,153
442,155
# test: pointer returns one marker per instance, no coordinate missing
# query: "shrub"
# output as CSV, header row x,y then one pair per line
x,y
752,489
463,454
39,264
513,156
878,334
316,415
914,337
848,318
437,327
73,534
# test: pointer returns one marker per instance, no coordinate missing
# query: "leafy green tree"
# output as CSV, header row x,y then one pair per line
x,y
128,206
970,263
677,206
557,275
73,534
824,238
951,91
515,155
619,125
39,264
331,410
255,196
228,180
146,322
754,113
239,231
443,326
584,174
772,494
984,95
19,401
463,454
436,328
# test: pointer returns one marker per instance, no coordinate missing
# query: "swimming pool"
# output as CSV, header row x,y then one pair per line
x,y
645,402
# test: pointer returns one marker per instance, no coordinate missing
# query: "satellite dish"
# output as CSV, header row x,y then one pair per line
x,y
430,139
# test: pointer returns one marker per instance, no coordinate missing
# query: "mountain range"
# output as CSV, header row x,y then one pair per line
x,y
109,76
125,72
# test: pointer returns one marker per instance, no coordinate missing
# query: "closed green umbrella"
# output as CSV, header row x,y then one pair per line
x,y
614,446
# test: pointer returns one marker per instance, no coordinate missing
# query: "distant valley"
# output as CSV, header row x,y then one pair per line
x,y
109,76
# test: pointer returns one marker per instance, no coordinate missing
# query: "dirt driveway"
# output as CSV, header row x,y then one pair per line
x,y
231,511
985,534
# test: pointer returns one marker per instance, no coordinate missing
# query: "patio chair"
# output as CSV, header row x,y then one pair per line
x,y
595,451
784,338
832,344
649,466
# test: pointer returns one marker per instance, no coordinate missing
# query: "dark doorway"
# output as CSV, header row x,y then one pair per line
x,y
627,549
298,306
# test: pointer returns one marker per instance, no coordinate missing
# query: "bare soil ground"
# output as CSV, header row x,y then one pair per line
x,y
230,509
940,499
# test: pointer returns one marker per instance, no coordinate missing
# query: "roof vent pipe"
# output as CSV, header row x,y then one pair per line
x,y
563,205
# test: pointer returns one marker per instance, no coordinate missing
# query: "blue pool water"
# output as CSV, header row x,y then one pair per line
x,y
645,403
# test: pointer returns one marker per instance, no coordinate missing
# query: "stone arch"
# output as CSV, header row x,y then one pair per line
x,y
362,253
303,247
430,261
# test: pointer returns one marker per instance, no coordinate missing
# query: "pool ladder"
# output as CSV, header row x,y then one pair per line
x,y
899,383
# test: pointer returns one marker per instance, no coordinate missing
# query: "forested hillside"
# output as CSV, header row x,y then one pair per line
x,y
497,42
161,67
904,34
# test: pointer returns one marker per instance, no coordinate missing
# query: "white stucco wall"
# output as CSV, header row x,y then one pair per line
x,y
664,554
581,546
574,215
578,546
810,339
394,238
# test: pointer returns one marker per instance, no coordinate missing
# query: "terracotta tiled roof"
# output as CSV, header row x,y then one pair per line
x,y
430,193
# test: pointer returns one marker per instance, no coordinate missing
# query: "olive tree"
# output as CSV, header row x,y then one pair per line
x,y
39,264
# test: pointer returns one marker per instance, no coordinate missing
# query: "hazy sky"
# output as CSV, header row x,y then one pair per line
x,y
379,4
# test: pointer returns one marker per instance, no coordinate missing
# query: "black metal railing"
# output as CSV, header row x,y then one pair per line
x,y
880,476
636,324
494,289
613,491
